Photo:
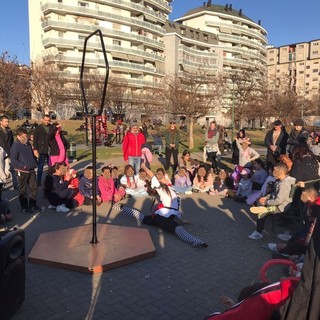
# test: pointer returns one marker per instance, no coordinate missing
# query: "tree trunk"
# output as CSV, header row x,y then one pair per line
x,y
191,142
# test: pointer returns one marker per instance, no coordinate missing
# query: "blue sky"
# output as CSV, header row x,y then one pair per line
x,y
278,17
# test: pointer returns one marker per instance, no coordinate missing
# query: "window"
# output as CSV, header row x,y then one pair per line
x,y
60,1
315,70
183,31
83,4
205,37
116,42
60,34
315,52
81,37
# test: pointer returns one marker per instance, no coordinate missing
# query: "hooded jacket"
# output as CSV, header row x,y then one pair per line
x,y
281,197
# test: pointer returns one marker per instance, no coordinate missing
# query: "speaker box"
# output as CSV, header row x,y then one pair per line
x,y
12,272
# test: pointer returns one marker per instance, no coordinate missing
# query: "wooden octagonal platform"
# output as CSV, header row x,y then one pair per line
x,y
71,248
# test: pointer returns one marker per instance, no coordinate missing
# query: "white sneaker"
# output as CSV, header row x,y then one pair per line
x,y
272,247
255,235
284,236
188,192
62,208
50,207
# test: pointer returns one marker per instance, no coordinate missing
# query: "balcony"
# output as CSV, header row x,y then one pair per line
x,y
100,15
79,27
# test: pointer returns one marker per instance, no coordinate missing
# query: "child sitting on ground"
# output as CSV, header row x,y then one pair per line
x,y
220,185
244,187
182,182
107,187
129,181
86,186
203,181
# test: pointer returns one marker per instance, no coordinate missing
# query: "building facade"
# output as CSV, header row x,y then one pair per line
x,y
142,45
297,66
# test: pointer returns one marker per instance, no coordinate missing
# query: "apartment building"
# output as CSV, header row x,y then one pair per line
x,y
142,45
297,66
242,40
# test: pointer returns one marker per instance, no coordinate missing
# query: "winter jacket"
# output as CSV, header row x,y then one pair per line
x,y
6,139
22,157
281,196
172,137
281,142
40,139
132,144
85,187
53,144
297,137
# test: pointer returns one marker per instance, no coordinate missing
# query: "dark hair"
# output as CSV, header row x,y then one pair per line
x,y
127,167
205,178
3,117
21,131
260,162
246,292
300,151
243,132
106,168
185,152
161,170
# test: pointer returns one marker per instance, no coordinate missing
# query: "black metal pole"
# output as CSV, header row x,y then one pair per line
x,y
94,182
87,130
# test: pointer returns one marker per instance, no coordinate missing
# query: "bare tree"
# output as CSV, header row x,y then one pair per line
x,y
194,95
14,85
47,85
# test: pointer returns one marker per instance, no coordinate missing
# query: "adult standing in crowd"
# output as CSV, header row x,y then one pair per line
x,y
211,139
58,145
40,145
276,143
6,141
131,147
24,163
241,135
172,140
298,135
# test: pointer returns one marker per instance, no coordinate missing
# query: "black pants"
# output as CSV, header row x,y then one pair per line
x,y
167,224
174,153
262,222
212,156
63,197
27,183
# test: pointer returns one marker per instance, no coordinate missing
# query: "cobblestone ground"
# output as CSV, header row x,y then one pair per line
x,y
179,282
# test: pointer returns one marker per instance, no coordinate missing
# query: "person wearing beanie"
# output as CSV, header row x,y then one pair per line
x,y
298,135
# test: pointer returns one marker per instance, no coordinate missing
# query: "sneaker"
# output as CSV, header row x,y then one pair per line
x,y
50,207
62,208
255,235
258,210
26,210
34,209
284,236
272,247
188,192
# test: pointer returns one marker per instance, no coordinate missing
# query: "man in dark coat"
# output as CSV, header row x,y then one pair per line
x,y
40,145
276,142
6,141
299,135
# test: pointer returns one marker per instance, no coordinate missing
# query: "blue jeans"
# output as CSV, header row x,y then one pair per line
x,y
135,162
41,160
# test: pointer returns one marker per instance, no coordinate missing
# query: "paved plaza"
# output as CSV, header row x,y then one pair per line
x,y
179,282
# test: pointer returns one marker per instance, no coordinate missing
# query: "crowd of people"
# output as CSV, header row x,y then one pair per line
x,y
276,187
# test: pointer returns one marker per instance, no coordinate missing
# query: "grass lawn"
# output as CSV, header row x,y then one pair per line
x,y
79,137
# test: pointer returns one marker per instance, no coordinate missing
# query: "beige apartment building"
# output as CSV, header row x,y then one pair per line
x,y
142,44
296,65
